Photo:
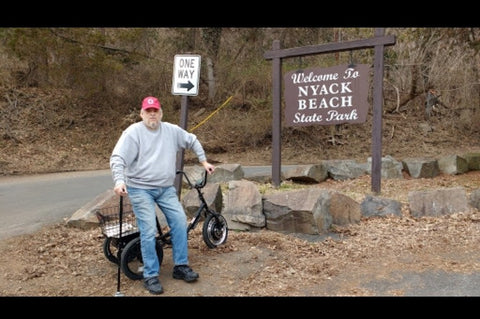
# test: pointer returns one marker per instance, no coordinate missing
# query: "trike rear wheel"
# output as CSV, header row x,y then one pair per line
x,y
132,262
111,246
110,249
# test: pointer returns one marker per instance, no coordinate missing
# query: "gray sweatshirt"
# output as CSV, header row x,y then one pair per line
x,y
143,158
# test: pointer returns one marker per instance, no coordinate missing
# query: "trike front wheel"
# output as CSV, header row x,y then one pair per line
x,y
215,230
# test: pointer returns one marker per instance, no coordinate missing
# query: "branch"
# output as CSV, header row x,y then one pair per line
x,y
111,50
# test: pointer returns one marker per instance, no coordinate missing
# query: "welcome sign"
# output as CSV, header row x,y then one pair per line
x,y
327,96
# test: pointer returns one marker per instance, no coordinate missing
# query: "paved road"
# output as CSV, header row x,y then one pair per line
x,y
29,202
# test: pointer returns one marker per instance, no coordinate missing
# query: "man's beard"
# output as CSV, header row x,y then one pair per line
x,y
152,124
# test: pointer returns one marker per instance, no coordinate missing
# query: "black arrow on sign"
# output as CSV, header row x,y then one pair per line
x,y
187,86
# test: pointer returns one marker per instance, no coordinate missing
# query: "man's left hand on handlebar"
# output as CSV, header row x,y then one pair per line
x,y
208,167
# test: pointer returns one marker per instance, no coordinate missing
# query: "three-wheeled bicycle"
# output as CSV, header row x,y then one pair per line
x,y
122,236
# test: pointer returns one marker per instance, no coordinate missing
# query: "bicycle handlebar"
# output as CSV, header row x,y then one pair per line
x,y
199,184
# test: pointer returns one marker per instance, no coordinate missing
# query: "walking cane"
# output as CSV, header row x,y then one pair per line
x,y
120,248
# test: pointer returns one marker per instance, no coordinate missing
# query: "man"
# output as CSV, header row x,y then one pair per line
x,y
143,165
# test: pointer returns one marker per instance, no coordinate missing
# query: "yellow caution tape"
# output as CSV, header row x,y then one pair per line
x,y
211,114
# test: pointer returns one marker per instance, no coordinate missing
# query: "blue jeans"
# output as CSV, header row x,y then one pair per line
x,y
143,204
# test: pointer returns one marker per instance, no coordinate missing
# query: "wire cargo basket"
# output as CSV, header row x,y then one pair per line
x,y
109,219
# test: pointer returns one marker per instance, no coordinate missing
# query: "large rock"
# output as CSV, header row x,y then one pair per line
x,y
341,170
310,173
378,206
297,211
473,160
453,164
212,193
421,167
243,206
309,211
343,209
438,202
390,167
475,199
85,217
227,172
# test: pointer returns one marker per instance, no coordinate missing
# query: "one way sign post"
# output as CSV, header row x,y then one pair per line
x,y
186,74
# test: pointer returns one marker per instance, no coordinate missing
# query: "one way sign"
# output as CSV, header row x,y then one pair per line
x,y
186,74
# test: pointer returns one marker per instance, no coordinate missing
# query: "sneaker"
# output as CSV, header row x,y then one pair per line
x,y
184,272
153,285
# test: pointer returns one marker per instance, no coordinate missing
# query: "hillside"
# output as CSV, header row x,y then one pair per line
x,y
47,131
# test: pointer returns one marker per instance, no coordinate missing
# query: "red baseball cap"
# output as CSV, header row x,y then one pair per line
x,y
150,102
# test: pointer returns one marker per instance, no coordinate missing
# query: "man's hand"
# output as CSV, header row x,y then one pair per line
x,y
120,190
208,167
